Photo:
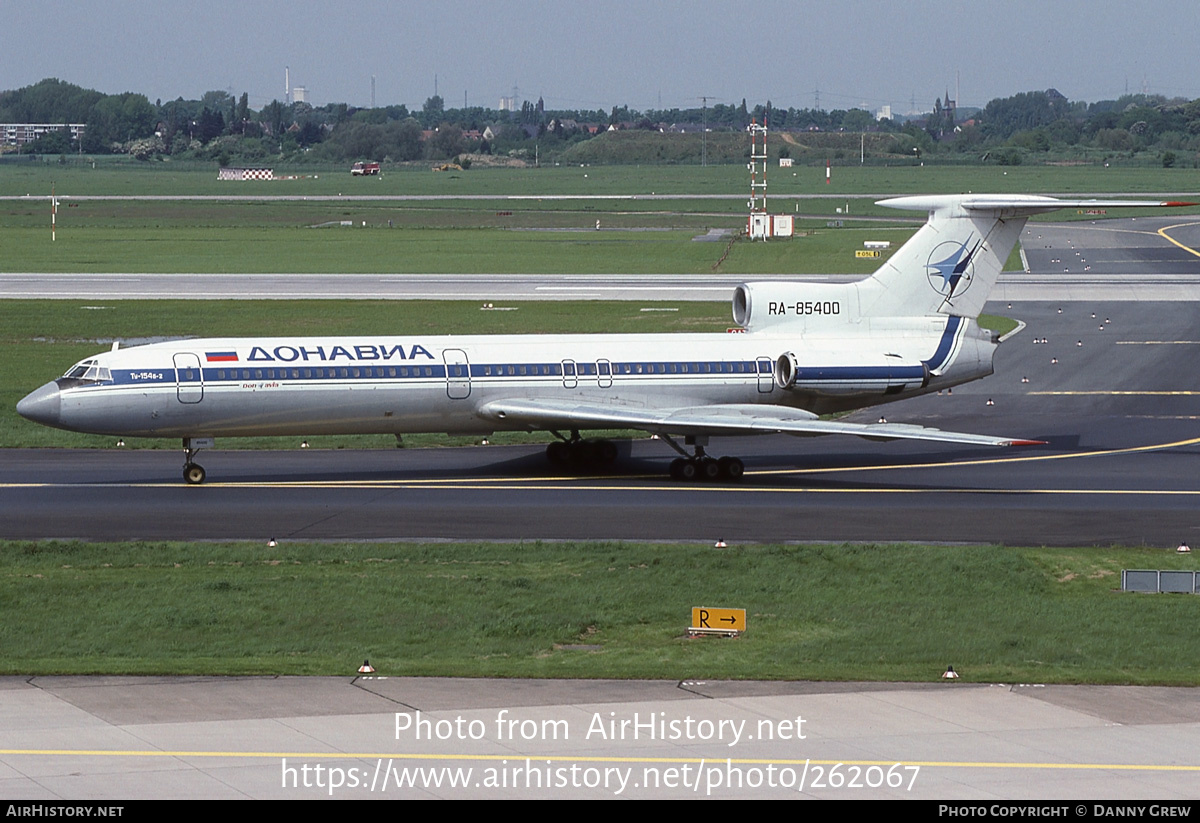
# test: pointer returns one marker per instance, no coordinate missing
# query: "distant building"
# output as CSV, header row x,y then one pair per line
x,y
508,104
299,94
884,113
18,134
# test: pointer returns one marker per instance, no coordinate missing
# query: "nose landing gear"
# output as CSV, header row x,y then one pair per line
x,y
193,472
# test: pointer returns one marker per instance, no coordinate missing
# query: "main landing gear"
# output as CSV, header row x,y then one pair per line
x,y
193,472
574,450
699,466
581,452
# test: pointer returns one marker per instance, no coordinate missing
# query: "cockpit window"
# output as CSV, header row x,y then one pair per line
x,y
88,371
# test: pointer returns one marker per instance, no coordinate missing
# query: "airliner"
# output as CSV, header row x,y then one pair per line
x,y
804,351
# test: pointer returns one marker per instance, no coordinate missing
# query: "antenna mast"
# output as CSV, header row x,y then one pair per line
x,y
759,221
704,98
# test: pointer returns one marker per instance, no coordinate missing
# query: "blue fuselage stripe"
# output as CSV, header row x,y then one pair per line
x,y
605,371
938,360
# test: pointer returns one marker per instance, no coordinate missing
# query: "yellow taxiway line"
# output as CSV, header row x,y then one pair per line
x,y
1163,233
334,755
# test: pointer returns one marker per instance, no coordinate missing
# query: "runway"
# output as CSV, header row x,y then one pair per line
x,y
348,286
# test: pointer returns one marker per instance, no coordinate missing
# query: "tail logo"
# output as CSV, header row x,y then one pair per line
x,y
949,268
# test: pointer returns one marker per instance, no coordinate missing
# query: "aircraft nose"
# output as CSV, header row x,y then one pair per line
x,y
41,406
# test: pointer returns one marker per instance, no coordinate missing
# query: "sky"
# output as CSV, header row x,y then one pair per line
x,y
594,55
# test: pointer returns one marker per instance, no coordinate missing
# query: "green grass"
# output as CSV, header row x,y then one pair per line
x,y
277,237
851,612
489,236
357,250
77,177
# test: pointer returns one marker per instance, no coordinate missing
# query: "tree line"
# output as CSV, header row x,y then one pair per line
x,y
219,126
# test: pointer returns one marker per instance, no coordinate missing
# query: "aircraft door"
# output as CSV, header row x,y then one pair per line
x,y
766,375
604,373
458,373
570,374
189,378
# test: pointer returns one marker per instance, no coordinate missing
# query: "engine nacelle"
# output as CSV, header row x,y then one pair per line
x,y
758,306
866,375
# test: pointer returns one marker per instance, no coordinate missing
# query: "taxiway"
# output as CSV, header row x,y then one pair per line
x,y
360,738
1113,394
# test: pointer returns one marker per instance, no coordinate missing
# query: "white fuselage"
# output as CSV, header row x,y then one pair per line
x,y
338,385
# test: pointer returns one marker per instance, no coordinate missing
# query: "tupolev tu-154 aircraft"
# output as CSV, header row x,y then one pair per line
x,y
808,349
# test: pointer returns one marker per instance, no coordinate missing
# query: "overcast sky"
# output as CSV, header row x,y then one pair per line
x,y
594,55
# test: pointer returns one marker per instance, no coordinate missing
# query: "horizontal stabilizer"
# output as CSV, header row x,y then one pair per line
x,y
1014,205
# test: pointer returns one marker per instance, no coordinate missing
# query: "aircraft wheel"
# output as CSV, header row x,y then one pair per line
x,y
606,452
193,474
687,470
709,469
558,452
584,451
731,468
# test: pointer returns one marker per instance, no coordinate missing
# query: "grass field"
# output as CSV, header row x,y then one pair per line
x,y
432,250
528,236
831,612
77,177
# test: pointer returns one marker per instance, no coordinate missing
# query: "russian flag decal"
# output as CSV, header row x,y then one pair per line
x,y
221,356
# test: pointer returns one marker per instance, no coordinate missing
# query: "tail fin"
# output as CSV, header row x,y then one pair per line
x,y
951,265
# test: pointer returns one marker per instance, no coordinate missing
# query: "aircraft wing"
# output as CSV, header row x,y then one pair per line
x,y
717,420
